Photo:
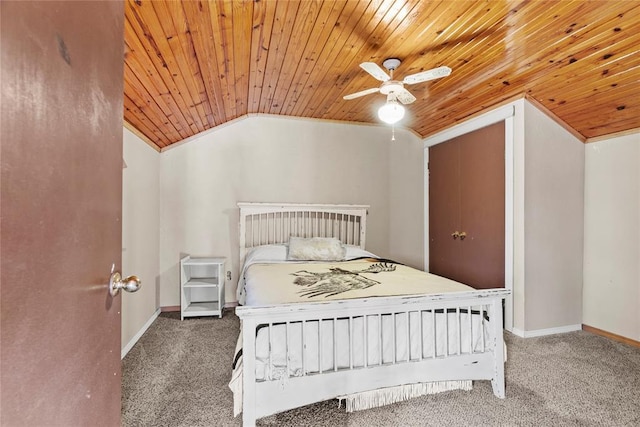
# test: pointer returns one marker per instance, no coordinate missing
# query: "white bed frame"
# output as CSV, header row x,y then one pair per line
x,y
262,223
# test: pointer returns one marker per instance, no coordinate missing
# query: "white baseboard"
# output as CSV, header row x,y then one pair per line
x,y
137,336
543,332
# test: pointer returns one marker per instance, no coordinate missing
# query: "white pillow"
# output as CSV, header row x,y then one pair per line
x,y
315,249
267,253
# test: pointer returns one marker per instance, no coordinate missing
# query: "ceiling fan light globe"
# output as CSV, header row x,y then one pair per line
x,y
391,112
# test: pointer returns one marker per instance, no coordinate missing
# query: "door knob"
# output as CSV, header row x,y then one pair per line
x,y
129,284
462,235
455,235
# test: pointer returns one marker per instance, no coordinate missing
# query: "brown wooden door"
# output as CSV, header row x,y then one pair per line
x,y
62,97
444,209
466,195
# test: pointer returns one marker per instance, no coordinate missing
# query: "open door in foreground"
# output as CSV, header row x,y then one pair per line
x,y
61,136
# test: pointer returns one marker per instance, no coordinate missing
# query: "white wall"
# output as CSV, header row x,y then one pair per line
x,y
275,159
406,202
140,234
554,211
611,299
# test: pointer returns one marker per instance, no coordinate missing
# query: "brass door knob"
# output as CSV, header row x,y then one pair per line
x,y
462,235
129,284
455,235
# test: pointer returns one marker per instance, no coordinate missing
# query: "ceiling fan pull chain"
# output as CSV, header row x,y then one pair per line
x,y
393,132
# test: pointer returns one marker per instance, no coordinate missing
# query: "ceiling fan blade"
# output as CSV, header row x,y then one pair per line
x,y
424,76
405,96
361,93
375,70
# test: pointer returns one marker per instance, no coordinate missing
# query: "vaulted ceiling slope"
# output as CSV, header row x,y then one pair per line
x,y
193,65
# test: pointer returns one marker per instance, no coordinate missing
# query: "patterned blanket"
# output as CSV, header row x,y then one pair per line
x,y
279,283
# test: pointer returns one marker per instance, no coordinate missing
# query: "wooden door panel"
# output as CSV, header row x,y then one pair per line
x,y
482,196
62,98
444,209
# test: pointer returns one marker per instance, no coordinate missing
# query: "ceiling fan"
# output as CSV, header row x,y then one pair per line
x,y
392,112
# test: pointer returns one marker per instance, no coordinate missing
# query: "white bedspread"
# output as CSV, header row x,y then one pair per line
x,y
279,283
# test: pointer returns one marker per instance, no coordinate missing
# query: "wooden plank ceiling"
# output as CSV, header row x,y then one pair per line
x,y
194,65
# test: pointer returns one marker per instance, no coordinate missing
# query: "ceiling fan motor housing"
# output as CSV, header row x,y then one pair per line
x,y
391,86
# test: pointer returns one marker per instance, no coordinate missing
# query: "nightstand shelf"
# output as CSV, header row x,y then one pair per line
x,y
201,286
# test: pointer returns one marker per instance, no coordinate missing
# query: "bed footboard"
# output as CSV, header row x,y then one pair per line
x,y
338,348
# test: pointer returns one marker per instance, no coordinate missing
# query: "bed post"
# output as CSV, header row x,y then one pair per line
x,y
248,329
497,382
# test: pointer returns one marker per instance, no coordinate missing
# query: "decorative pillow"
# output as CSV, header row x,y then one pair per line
x,y
315,249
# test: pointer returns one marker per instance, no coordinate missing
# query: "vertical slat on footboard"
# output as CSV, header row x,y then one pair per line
x,y
270,347
420,323
446,332
393,333
286,346
408,336
434,333
350,342
320,345
335,344
366,340
470,317
482,343
304,346
459,332
380,336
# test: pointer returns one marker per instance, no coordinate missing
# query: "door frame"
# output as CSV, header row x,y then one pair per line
x,y
506,114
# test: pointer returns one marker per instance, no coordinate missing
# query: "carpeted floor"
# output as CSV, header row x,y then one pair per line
x,y
177,375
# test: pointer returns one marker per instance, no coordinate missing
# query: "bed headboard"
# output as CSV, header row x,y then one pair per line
x,y
273,223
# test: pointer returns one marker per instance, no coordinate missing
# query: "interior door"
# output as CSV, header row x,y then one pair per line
x,y
444,209
62,98
482,207
467,208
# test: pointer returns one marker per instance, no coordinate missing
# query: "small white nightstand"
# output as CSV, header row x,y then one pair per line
x,y
201,286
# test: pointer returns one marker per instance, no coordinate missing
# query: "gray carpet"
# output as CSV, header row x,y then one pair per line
x,y
177,375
